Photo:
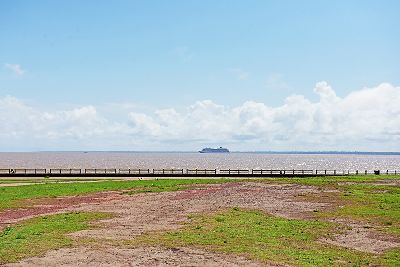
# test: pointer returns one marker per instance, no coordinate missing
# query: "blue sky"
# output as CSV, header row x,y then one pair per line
x,y
146,56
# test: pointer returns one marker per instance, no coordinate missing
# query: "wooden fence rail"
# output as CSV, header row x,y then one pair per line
x,y
168,171
134,171
65,171
187,172
201,171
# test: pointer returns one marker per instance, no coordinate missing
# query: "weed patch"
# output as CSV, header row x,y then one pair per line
x,y
36,236
377,204
262,237
10,197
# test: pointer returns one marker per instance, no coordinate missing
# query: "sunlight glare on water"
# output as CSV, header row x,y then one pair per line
x,y
155,160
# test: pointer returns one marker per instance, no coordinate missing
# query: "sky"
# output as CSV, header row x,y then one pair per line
x,y
181,75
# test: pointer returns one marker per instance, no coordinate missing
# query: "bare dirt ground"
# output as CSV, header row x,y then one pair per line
x,y
362,238
141,256
139,213
51,206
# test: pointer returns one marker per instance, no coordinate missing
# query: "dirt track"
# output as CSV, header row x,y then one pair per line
x,y
144,212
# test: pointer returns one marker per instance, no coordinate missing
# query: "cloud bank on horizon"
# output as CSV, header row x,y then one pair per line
x,y
366,120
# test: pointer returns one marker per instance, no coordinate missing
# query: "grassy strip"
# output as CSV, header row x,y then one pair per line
x,y
332,181
377,204
358,199
266,238
10,197
16,181
36,236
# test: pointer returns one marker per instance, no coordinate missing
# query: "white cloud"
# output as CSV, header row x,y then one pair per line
x,y
366,119
16,68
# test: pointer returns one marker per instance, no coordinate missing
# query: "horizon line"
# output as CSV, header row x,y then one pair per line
x,y
243,151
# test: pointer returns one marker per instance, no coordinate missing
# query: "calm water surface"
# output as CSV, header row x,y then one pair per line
x,y
154,160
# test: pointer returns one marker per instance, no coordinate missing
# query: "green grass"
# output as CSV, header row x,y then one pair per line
x,y
332,180
377,204
16,181
11,197
36,236
267,238
358,199
250,233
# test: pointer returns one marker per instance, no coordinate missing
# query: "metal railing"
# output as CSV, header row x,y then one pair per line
x,y
189,172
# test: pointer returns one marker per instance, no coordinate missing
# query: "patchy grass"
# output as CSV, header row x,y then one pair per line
x,y
377,204
253,234
10,197
16,181
359,199
36,236
332,181
267,238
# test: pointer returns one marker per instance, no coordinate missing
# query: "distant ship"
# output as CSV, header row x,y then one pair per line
x,y
214,150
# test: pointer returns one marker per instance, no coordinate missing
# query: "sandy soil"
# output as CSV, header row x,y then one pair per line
x,y
141,256
144,212
167,211
362,238
52,205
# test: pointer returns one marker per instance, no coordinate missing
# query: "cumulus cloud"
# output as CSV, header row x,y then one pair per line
x,y
366,119
16,68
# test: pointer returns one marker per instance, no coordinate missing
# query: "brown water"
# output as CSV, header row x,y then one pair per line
x,y
154,160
